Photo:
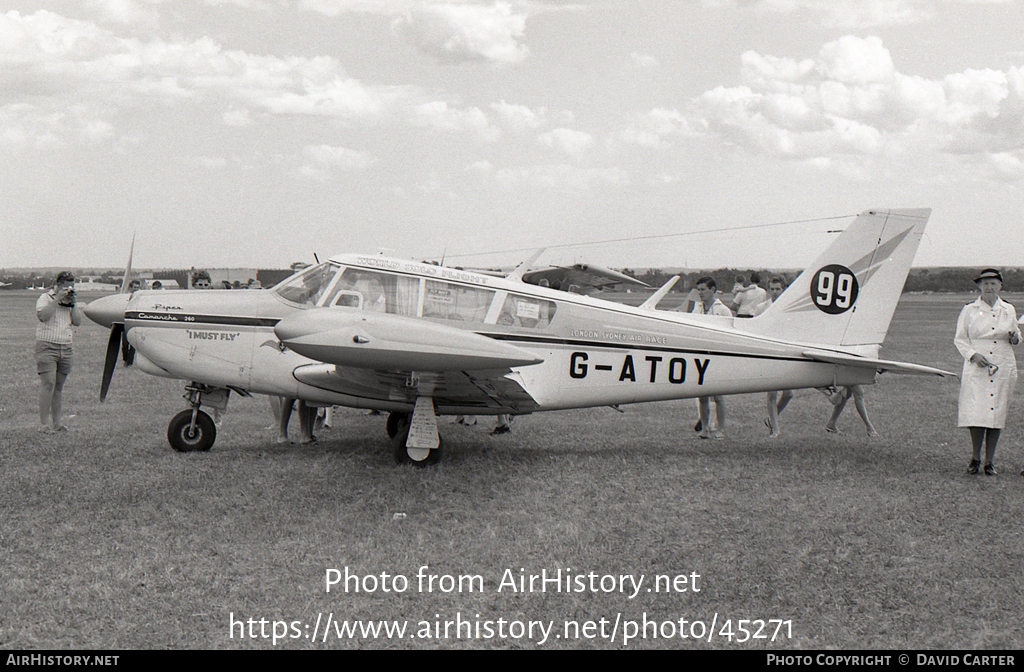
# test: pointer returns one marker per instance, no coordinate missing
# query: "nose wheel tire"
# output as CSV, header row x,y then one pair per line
x,y
187,439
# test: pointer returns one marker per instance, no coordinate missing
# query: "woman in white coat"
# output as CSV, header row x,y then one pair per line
x,y
984,333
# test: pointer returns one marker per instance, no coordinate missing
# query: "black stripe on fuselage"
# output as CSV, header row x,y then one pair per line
x,y
191,318
574,343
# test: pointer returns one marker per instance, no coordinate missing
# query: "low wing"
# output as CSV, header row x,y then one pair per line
x,y
879,365
368,340
394,359
584,276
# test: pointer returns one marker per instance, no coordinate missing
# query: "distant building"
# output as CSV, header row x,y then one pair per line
x,y
92,284
268,277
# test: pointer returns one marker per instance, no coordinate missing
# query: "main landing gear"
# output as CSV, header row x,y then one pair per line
x,y
414,438
193,430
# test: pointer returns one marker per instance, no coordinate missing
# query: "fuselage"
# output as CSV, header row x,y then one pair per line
x,y
587,351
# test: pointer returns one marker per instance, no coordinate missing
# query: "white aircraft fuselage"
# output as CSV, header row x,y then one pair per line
x,y
590,352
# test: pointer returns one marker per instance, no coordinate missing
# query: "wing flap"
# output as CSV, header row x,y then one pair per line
x,y
464,391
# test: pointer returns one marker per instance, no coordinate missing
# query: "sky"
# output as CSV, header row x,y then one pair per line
x,y
628,133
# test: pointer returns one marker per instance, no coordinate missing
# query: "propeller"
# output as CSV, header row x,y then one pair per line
x,y
118,335
115,342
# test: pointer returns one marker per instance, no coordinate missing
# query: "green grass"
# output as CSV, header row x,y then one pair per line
x,y
109,539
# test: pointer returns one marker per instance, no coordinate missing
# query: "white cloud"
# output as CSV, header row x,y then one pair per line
x,y
437,114
338,7
322,161
851,101
845,14
124,11
641,60
455,33
658,128
1008,166
25,125
562,177
237,117
518,118
338,157
849,14
212,162
480,168
247,4
58,62
567,140
852,14
854,60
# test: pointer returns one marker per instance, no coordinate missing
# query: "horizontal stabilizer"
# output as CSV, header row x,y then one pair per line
x,y
380,341
652,303
880,365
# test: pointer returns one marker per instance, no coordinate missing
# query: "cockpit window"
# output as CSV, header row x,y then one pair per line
x,y
374,291
526,311
308,286
450,301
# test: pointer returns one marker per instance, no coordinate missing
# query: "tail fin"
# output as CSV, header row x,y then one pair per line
x,y
846,298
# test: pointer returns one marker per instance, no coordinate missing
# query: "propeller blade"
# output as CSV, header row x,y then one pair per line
x,y
127,350
111,359
126,280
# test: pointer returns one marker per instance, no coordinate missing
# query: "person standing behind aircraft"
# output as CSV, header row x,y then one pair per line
x,y
710,305
839,400
57,311
748,297
504,425
201,280
307,416
775,403
984,333
688,306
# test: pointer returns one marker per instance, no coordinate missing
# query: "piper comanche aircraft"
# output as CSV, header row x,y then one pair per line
x,y
420,340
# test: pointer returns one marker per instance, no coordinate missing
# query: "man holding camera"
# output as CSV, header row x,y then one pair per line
x,y
57,311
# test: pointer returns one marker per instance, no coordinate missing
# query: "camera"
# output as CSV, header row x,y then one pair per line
x,y
69,299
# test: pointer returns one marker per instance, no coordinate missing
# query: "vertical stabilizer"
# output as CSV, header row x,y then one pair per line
x,y
846,298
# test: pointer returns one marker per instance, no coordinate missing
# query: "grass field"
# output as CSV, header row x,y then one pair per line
x,y
109,539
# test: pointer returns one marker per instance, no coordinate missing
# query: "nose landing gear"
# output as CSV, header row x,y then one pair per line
x,y
193,430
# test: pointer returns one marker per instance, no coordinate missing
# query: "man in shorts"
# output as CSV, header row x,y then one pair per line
x,y
58,311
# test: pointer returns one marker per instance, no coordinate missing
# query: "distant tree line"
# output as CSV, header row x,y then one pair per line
x,y
724,277
958,279
950,280
919,279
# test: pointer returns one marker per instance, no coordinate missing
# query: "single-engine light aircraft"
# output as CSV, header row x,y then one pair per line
x,y
420,340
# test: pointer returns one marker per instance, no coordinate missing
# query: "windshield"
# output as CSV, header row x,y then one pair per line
x,y
307,286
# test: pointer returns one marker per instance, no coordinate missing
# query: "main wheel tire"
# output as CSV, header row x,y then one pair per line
x,y
184,439
401,452
394,419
